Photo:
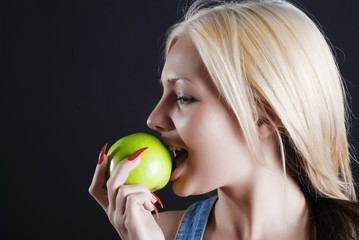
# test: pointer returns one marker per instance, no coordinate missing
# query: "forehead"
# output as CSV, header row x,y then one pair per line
x,y
183,60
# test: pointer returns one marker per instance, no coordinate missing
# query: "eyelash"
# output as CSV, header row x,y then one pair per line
x,y
183,99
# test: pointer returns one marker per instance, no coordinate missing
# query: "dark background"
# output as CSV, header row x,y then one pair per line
x,y
78,74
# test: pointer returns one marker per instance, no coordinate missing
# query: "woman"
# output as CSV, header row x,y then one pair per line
x,y
255,104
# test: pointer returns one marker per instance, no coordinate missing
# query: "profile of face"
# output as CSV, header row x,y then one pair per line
x,y
191,116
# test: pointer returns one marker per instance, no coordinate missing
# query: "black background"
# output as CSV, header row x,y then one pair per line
x,y
78,74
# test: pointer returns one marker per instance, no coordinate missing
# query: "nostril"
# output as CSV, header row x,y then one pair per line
x,y
151,124
154,122
158,126
159,129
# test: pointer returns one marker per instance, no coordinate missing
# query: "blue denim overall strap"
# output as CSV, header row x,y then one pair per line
x,y
194,221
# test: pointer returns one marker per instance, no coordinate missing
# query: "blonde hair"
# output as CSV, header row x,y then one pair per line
x,y
270,62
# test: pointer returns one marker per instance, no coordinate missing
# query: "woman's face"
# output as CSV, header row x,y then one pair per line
x,y
191,116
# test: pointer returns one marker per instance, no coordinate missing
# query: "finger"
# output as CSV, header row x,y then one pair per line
x,y
126,190
120,175
125,166
137,203
117,179
97,188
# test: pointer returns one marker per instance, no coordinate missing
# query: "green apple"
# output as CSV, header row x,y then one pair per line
x,y
155,168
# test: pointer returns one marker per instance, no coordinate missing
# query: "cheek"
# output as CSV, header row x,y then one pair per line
x,y
215,129
214,139
218,153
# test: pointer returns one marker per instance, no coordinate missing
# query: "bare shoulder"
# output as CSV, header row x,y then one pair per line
x,y
169,222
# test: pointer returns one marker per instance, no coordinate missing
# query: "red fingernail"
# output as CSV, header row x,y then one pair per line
x,y
136,154
158,199
156,210
102,153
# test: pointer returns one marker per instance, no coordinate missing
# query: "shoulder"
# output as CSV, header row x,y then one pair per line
x,y
169,222
193,217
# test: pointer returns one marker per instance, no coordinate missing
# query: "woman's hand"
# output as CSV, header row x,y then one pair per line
x,y
128,207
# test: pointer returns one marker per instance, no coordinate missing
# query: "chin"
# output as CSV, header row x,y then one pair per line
x,y
180,189
183,189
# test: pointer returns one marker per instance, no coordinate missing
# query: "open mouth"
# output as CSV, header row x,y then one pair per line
x,y
179,156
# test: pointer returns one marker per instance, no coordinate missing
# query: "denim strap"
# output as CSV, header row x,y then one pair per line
x,y
194,221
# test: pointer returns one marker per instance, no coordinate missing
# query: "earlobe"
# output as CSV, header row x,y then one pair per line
x,y
267,122
264,130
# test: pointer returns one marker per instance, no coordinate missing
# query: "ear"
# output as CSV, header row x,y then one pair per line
x,y
266,119
267,127
264,129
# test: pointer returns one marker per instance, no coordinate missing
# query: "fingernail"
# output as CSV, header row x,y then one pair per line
x,y
158,199
102,153
136,154
156,210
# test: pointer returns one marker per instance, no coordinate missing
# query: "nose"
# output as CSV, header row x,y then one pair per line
x,y
160,120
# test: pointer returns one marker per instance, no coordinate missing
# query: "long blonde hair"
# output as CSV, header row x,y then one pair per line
x,y
269,60
272,63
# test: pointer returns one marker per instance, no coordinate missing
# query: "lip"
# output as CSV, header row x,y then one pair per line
x,y
177,172
178,161
169,142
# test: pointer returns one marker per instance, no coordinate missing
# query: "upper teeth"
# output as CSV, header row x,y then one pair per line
x,y
173,148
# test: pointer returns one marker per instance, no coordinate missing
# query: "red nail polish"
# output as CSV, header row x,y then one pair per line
x,y
156,210
136,154
102,153
158,199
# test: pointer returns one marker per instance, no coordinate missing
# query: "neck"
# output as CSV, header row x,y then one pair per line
x,y
270,208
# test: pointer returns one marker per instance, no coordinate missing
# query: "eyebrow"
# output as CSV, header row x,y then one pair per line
x,y
172,81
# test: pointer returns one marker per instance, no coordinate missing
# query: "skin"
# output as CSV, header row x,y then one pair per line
x,y
254,199
128,206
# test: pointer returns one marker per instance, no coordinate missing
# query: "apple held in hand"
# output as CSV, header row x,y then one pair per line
x,y
155,168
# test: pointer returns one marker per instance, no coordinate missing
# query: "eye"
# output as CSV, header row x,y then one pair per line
x,y
184,99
